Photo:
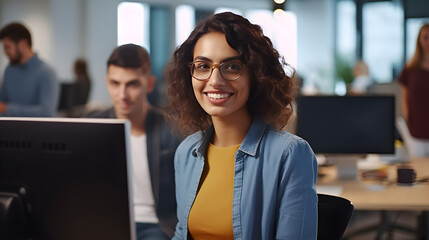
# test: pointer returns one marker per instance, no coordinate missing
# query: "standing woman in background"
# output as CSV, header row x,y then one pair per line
x,y
82,81
414,81
238,176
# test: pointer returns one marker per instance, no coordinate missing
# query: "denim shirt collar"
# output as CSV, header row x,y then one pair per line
x,y
249,145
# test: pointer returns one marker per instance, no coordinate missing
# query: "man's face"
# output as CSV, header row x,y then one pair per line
x,y
12,50
128,89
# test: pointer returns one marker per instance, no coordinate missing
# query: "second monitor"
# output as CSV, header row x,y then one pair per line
x,y
347,124
344,129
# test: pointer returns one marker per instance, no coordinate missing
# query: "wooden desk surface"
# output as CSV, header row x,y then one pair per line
x,y
393,197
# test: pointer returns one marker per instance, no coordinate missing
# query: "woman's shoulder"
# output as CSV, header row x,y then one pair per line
x,y
190,142
282,135
281,139
292,151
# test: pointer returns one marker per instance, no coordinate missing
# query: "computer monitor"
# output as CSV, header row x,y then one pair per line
x,y
347,124
65,179
344,129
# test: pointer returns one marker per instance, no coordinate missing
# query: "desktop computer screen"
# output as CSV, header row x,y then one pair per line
x,y
65,179
347,124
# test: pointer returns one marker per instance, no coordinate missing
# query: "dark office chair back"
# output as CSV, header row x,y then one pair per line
x,y
67,96
334,214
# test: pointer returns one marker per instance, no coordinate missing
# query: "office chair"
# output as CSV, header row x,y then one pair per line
x,y
384,228
334,214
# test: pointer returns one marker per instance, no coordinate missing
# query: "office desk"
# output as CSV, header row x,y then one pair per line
x,y
391,197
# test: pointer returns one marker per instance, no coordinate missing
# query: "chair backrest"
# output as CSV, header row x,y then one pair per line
x,y
67,96
334,214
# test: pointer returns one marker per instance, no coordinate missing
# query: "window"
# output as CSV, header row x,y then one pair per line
x,y
346,30
281,28
413,28
233,10
133,24
383,39
185,22
345,49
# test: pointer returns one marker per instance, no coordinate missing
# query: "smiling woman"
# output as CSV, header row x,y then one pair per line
x,y
220,84
234,98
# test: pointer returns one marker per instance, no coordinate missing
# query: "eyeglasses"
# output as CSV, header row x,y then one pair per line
x,y
229,70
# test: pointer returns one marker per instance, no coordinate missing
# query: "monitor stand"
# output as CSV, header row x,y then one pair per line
x,y
346,165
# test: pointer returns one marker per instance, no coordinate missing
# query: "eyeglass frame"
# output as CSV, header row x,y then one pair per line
x,y
212,67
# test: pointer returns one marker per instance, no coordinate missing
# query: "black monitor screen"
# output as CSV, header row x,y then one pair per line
x,y
69,178
347,124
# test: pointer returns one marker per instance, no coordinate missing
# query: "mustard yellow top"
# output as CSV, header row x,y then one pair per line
x,y
211,214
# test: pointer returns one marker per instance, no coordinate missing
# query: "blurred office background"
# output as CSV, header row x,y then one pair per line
x,y
322,39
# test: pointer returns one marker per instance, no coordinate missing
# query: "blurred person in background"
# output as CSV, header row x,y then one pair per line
x,y
30,87
82,81
414,81
362,80
129,80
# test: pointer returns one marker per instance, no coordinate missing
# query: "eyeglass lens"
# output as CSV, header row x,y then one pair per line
x,y
230,70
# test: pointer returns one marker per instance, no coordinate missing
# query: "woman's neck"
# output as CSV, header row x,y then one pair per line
x,y
230,131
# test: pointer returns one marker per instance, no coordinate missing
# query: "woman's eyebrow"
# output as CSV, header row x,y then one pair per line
x,y
231,58
201,58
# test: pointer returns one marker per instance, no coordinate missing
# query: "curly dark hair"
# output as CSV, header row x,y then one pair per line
x,y
272,89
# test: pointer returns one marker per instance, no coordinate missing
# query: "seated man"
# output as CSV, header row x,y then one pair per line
x,y
30,87
129,80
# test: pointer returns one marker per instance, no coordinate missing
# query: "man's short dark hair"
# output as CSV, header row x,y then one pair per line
x,y
16,31
130,56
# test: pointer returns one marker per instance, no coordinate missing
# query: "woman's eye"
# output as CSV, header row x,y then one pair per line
x,y
202,66
232,66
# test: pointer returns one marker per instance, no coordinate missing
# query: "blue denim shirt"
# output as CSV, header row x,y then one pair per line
x,y
274,184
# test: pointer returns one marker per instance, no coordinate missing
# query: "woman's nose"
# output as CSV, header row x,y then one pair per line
x,y
216,78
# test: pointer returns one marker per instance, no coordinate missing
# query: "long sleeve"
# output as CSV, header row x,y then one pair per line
x,y
297,218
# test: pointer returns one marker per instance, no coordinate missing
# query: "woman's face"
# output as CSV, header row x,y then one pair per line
x,y
424,40
218,96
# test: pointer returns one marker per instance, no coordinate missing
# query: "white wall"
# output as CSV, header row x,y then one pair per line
x,y
37,17
68,35
101,39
